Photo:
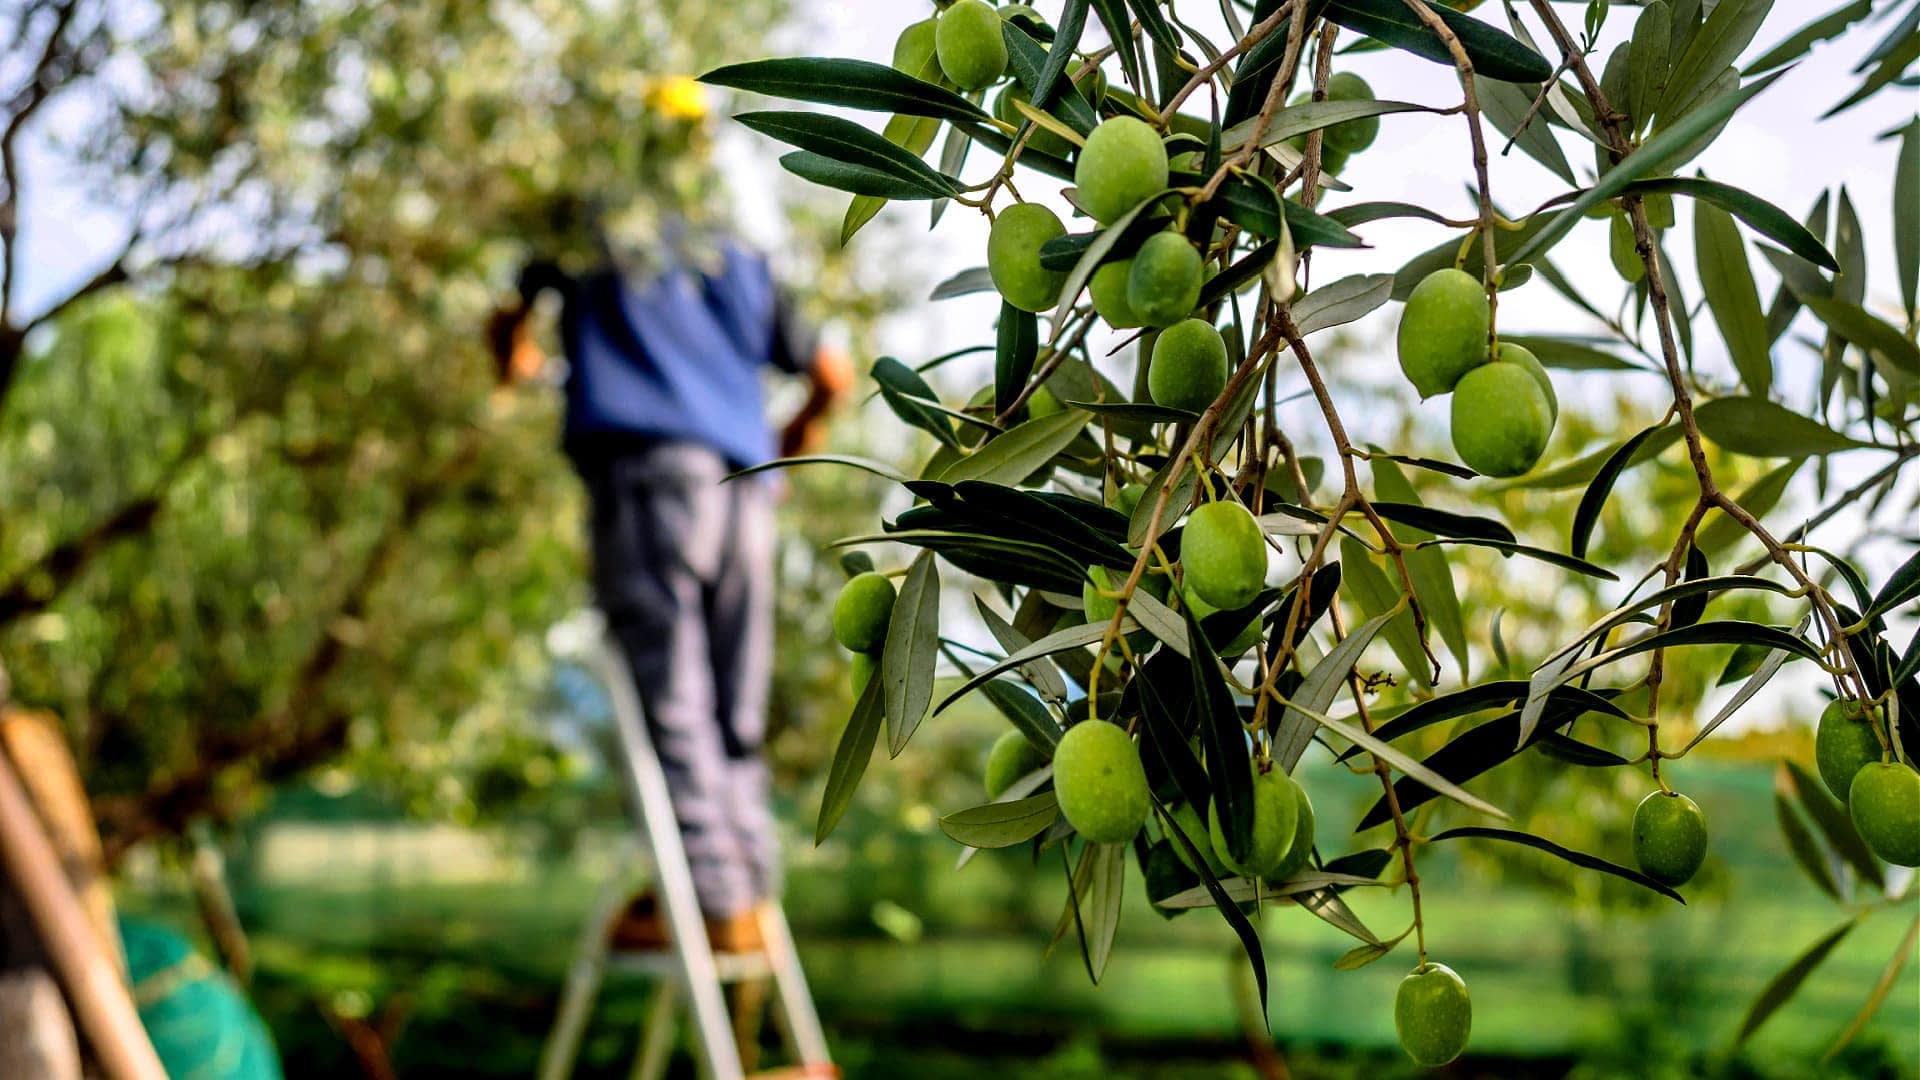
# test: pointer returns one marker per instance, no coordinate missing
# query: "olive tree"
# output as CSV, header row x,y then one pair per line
x,y
1189,597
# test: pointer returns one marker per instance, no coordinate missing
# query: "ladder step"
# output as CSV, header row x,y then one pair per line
x,y
730,967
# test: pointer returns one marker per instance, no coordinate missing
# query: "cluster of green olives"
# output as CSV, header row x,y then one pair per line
x,y
1881,795
1504,407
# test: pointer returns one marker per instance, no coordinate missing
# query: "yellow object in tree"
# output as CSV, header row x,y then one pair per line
x,y
678,97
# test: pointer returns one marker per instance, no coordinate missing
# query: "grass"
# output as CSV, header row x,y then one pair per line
x,y
959,983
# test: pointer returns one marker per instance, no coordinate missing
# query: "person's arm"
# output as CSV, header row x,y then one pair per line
x,y
829,378
828,371
516,357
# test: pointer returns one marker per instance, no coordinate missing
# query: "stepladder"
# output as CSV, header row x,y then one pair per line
x,y
689,976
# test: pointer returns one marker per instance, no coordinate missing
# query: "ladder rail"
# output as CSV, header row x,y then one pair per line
x,y
691,974
648,785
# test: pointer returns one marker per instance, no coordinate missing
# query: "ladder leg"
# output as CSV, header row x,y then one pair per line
x,y
582,986
713,1030
656,1035
796,1001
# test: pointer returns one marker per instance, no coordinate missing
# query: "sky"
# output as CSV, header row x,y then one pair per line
x,y
1773,148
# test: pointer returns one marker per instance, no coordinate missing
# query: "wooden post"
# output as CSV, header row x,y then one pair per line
x,y
102,1006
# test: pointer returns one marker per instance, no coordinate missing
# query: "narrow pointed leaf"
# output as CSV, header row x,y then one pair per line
x,y
845,141
1782,987
1806,851
1657,154
1066,38
1432,580
1718,43
1016,455
1224,739
1027,60
1795,45
1866,330
1317,692
855,84
1756,682
1587,515
1040,673
850,758
1732,297
1906,214
1833,821
858,179
1505,105
1577,858
1377,593
1889,978
1567,562
877,468
913,640
1073,637
1413,769
1338,303
1761,428
1249,937
1002,824
1493,53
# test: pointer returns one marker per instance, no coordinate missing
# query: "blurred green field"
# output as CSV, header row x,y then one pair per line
x,y
919,969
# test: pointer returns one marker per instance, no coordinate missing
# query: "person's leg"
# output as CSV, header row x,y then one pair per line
x,y
740,626
660,520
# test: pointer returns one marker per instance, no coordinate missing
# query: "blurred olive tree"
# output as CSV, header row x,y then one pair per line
x,y
262,505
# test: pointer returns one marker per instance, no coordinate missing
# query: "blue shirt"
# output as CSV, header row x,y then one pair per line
x,y
678,358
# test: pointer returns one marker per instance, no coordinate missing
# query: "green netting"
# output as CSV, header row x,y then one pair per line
x,y
200,1023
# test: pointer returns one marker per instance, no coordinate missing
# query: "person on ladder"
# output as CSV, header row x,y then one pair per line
x,y
666,344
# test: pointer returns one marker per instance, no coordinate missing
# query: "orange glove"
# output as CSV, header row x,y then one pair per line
x,y
515,356
831,378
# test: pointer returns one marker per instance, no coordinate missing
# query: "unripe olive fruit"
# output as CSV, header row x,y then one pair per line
x,y
1433,1015
1885,803
1093,599
1128,497
1350,136
1443,330
1122,164
1275,816
1099,782
1224,555
1508,353
1332,157
860,614
1195,831
1501,420
967,40
1188,368
1843,744
1108,289
913,52
1669,837
1092,87
1013,256
1043,140
861,671
1247,638
1043,402
1301,848
1011,757
1164,283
